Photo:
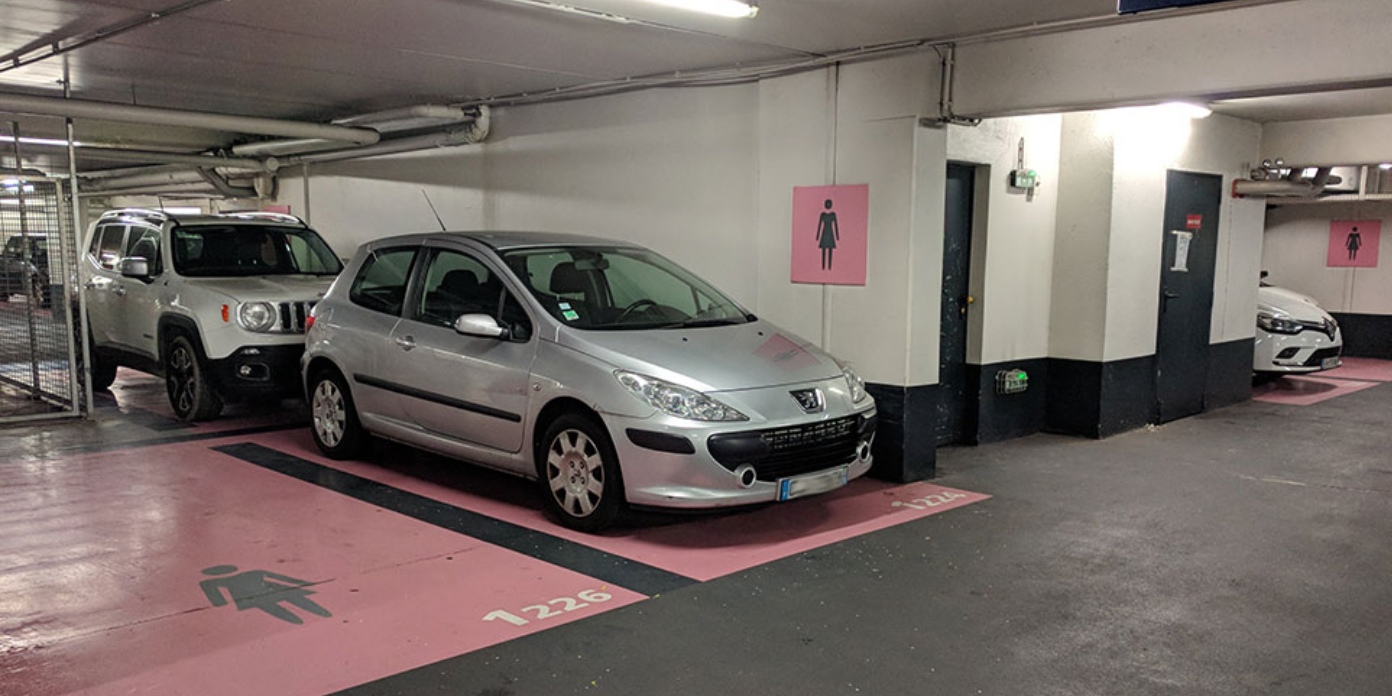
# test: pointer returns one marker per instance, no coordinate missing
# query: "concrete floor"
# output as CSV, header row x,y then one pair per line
x,y
1241,551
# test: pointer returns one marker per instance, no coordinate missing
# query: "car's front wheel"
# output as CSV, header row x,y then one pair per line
x,y
186,378
337,431
579,473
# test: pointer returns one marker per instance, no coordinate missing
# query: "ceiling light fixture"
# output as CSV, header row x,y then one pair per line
x,y
734,9
1187,110
1385,166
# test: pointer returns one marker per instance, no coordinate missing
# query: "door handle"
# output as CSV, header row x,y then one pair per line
x,y
120,290
1171,295
406,342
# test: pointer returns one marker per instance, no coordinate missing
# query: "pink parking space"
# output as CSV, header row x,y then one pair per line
x,y
175,569
1362,369
1306,391
698,547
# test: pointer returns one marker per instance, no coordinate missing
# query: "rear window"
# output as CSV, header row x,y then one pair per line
x,y
381,282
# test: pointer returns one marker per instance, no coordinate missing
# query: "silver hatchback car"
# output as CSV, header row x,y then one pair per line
x,y
608,373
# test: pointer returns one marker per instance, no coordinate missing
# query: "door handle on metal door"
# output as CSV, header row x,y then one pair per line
x,y
406,342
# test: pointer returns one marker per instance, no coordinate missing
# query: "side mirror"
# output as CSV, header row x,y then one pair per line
x,y
479,325
133,267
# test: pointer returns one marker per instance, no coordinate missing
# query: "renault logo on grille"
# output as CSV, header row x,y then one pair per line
x,y
810,400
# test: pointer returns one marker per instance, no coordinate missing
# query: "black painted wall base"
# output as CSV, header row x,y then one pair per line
x,y
1229,373
905,439
1007,416
1096,399
1366,335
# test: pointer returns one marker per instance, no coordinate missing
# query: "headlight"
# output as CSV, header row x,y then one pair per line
x,y
1278,323
856,384
256,316
676,400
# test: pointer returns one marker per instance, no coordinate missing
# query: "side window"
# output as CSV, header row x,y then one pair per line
x,y
106,245
144,242
381,282
457,284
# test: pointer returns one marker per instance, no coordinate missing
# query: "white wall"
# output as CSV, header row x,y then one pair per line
x,y
1360,140
1078,311
1011,317
1296,249
1263,48
1146,146
704,176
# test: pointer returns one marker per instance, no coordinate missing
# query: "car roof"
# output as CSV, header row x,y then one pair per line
x,y
258,218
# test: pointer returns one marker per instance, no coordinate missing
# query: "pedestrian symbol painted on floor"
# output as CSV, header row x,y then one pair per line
x,y
830,230
260,589
1354,243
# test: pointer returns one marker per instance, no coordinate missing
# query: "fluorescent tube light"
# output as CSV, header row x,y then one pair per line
x,y
733,9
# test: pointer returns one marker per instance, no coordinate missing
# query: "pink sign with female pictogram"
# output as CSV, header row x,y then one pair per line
x,y
830,230
1354,243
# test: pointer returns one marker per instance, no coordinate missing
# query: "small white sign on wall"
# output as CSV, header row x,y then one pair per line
x,y
1181,250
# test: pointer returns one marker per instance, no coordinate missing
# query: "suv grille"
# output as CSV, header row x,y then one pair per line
x,y
292,316
781,452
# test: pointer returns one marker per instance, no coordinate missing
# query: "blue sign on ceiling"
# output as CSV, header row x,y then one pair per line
x,y
1133,6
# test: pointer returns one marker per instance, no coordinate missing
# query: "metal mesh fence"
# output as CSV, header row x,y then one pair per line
x,y
38,373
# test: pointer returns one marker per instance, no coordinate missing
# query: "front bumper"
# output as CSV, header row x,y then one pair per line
x,y
668,463
1307,351
254,371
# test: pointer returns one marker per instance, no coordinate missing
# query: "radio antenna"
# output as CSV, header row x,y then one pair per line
x,y
432,210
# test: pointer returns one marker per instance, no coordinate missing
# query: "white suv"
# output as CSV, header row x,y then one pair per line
x,y
214,303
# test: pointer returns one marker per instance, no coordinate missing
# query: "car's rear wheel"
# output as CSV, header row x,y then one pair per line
x,y
337,431
186,378
579,473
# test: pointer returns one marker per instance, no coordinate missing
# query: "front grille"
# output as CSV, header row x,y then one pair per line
x,y
782,452
292,316
1328,328
1319,356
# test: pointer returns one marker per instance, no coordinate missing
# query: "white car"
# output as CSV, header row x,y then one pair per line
x,y
1294,335
216,304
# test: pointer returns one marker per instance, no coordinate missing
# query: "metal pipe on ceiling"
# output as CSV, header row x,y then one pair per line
x,y
475,132
125,154
106,111
405,118
62,46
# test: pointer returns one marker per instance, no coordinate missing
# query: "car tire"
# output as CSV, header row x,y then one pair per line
x,y
579,473
334,418
191,392
103,372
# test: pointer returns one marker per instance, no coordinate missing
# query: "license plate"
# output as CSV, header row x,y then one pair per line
x,y
1330,363
812,484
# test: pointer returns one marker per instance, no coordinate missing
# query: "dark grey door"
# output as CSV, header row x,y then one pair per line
x,y
1186,292
955,392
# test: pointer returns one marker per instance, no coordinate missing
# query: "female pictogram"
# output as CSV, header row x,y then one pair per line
x,y
828,234
260,589
1353,244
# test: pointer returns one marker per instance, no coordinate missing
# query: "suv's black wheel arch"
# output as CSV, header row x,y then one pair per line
x,y
169,325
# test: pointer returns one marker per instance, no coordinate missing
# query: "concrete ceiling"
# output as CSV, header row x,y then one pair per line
x,y
317,60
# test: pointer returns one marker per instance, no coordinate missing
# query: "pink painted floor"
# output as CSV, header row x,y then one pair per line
x,y
1365,369
103,592
699,547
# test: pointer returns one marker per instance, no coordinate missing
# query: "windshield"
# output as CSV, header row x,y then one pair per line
x,y
620,289
251,250
38,248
